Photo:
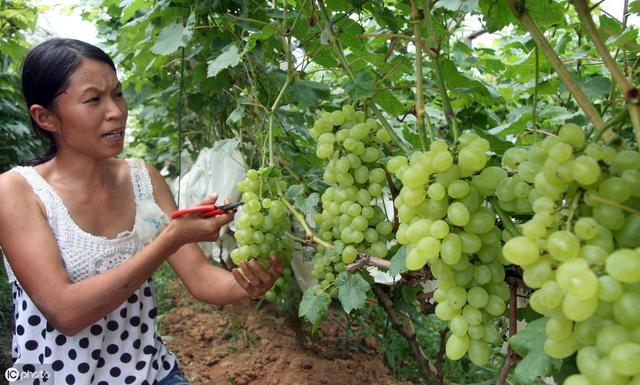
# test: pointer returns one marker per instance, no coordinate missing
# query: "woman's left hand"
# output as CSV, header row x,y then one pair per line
x,y
256,280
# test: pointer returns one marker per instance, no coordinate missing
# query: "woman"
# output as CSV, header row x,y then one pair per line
x,y
82,233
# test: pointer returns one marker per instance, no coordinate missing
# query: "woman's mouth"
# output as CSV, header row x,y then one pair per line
x,y
116,134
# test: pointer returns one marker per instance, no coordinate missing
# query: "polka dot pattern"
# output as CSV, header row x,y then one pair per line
x,y
121,348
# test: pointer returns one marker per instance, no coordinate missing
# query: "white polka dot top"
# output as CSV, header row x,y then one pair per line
x,y
121,348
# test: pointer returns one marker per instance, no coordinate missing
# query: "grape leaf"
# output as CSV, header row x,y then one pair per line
x,y
529,344
307,204
230,57
596,87
398,261
361,86
389,103
497,13
546,12
174,36
236,114
308,92
294,191
352,290
314,307
266,33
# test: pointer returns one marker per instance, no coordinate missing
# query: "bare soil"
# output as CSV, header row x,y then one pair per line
x,y
243,345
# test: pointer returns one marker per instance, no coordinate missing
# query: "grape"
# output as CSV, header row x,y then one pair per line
x,y
577,309
521,251
563,245
560,349
559,328
572,134
624,265
585,170
586,228
456,347
624,358
576,379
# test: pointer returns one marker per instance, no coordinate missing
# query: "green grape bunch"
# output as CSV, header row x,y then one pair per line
x,y
352,218
262,224
581,252
446,223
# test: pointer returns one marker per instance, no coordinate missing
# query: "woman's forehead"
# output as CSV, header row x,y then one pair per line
x,y
93,74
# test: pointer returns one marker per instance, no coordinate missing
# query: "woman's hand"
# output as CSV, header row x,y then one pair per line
x,y
193,228
256,280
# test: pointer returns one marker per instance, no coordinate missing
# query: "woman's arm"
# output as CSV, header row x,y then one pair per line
x,y
33,253
206,282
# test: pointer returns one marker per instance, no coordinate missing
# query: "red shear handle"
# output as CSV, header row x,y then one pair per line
x,y
206,211
193,210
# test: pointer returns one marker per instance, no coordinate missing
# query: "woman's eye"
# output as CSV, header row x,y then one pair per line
x,y
95,99
118,95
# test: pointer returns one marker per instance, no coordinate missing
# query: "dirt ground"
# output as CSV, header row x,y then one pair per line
x,y
241,345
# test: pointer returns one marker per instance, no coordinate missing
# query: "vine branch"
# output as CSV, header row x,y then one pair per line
x,y
511,358
365,259
629,92
417,27
437,66
423,363
300,219
518,9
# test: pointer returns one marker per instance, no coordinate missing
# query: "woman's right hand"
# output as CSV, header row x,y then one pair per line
x,y
192,228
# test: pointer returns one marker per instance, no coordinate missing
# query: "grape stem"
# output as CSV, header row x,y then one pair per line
x,y
406,330
504,217
519,10
619,118
300,219
365,259
574,205
613,203
630,93
441,353
394,193
511,358
437,67
420,115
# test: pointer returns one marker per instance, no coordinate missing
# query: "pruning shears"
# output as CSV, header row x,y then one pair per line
x,y
206,211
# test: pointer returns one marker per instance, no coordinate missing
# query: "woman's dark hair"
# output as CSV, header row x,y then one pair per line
x,y
45,75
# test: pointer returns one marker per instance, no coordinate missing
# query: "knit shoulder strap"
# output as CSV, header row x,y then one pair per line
x,y
142,186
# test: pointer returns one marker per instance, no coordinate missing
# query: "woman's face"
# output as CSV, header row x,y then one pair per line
x,y
92,113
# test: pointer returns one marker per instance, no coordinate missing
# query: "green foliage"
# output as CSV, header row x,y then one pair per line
x,y
18,143
352,290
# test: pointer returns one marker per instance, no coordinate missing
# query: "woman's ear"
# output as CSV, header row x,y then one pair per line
x,y
45,118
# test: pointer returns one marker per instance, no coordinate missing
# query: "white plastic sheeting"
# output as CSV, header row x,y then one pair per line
x,y
217,169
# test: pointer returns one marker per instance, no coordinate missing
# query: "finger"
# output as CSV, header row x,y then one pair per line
x,y
259,272
208,200
249,275
276,265
240,279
